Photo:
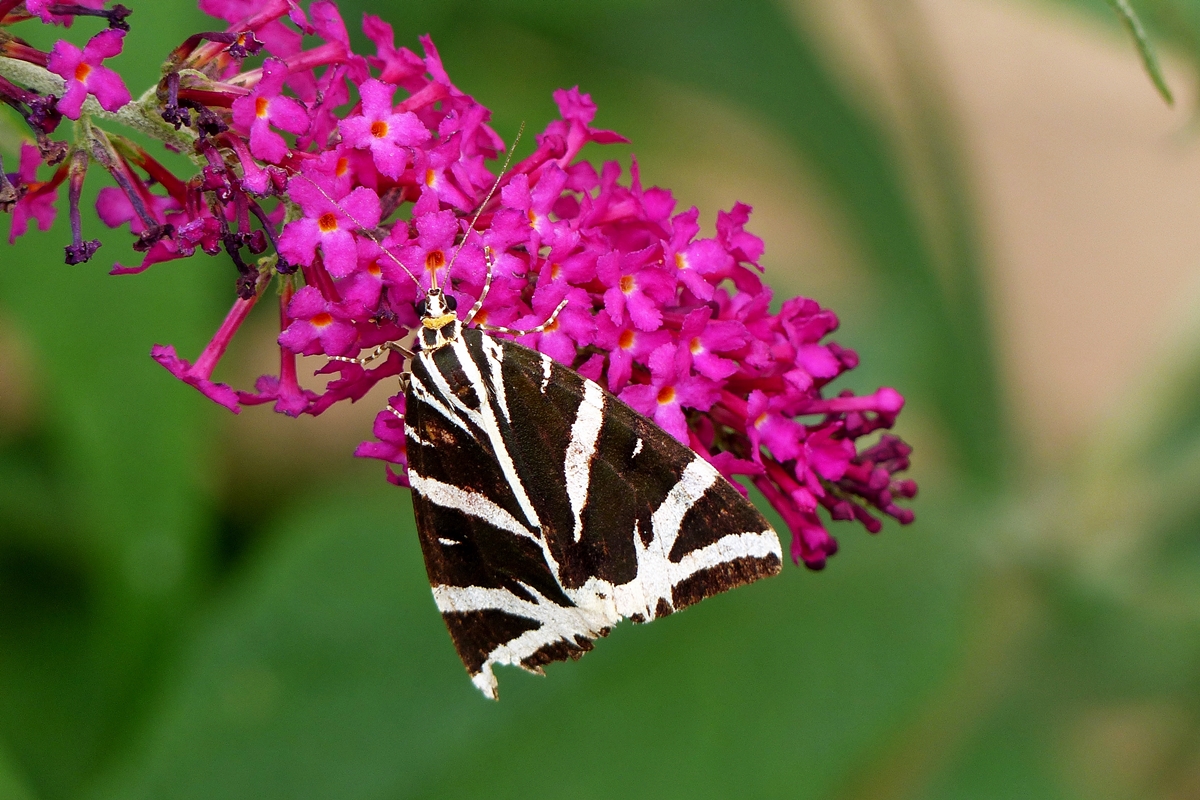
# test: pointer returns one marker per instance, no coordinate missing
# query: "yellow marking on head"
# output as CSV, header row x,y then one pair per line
x,y
438,322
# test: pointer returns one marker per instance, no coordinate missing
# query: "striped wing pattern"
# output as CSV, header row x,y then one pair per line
x,y
548,510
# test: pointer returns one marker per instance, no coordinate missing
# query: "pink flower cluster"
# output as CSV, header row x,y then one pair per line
x,y
344,176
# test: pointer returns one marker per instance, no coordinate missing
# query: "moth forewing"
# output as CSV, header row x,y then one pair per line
x,y
548,510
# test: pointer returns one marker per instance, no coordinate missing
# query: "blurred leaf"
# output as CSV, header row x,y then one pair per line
x,y
102,510
329,674
12,787
1145,49
1175,23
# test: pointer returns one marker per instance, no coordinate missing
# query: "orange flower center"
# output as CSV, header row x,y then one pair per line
x,y
695,346
435,260
430,177
553,326
82,71
379,129
374,269
626,283
322,319
555,271
343,166
666,395
758,423
260,107
327,222
681,261
626,340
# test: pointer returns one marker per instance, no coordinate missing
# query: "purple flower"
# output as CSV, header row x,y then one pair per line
x,y
41,10
265,107
635,287
671,388
316,326
702,338
84,74
200,373
701,263
386,134
377,195
37,201
330,220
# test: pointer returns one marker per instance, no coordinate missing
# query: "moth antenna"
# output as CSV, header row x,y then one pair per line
x,y
479,211
365,230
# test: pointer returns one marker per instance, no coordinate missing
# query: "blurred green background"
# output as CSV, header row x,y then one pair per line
x,y
1005,215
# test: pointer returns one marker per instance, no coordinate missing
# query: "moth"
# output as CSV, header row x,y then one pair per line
x,y
547,509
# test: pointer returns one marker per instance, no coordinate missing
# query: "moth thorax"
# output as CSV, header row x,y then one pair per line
x,y
439,322
433,337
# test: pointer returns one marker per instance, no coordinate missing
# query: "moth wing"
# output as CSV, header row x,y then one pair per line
x,y
548,510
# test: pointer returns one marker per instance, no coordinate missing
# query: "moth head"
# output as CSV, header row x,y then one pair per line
x,y
437,309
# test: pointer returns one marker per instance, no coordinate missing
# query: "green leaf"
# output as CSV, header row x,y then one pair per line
x,y
12,785
1149,60
103,512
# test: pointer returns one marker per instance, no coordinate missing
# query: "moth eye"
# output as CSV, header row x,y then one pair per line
x,y
421,308
451,303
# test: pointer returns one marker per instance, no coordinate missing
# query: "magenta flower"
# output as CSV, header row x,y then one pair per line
x,y
84,73
200,373
635,288
386,134
317,326
625,345
115,209
37,202
702,338
671,388
392,444
374,194
265,107
573,329
41,10
429,253
703,263
329,221
285,389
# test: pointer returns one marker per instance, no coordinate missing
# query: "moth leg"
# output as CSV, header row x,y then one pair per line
x,y
362,361
549,321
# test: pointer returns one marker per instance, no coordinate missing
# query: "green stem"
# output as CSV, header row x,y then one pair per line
x,y
140,115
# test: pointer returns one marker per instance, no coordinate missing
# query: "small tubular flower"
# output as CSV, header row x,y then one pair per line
x,y
355,182
85,74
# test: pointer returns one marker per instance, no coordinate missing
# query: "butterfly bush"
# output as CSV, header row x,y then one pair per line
x,y
351,182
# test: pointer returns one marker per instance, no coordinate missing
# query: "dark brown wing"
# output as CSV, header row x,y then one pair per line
x,y
548,510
